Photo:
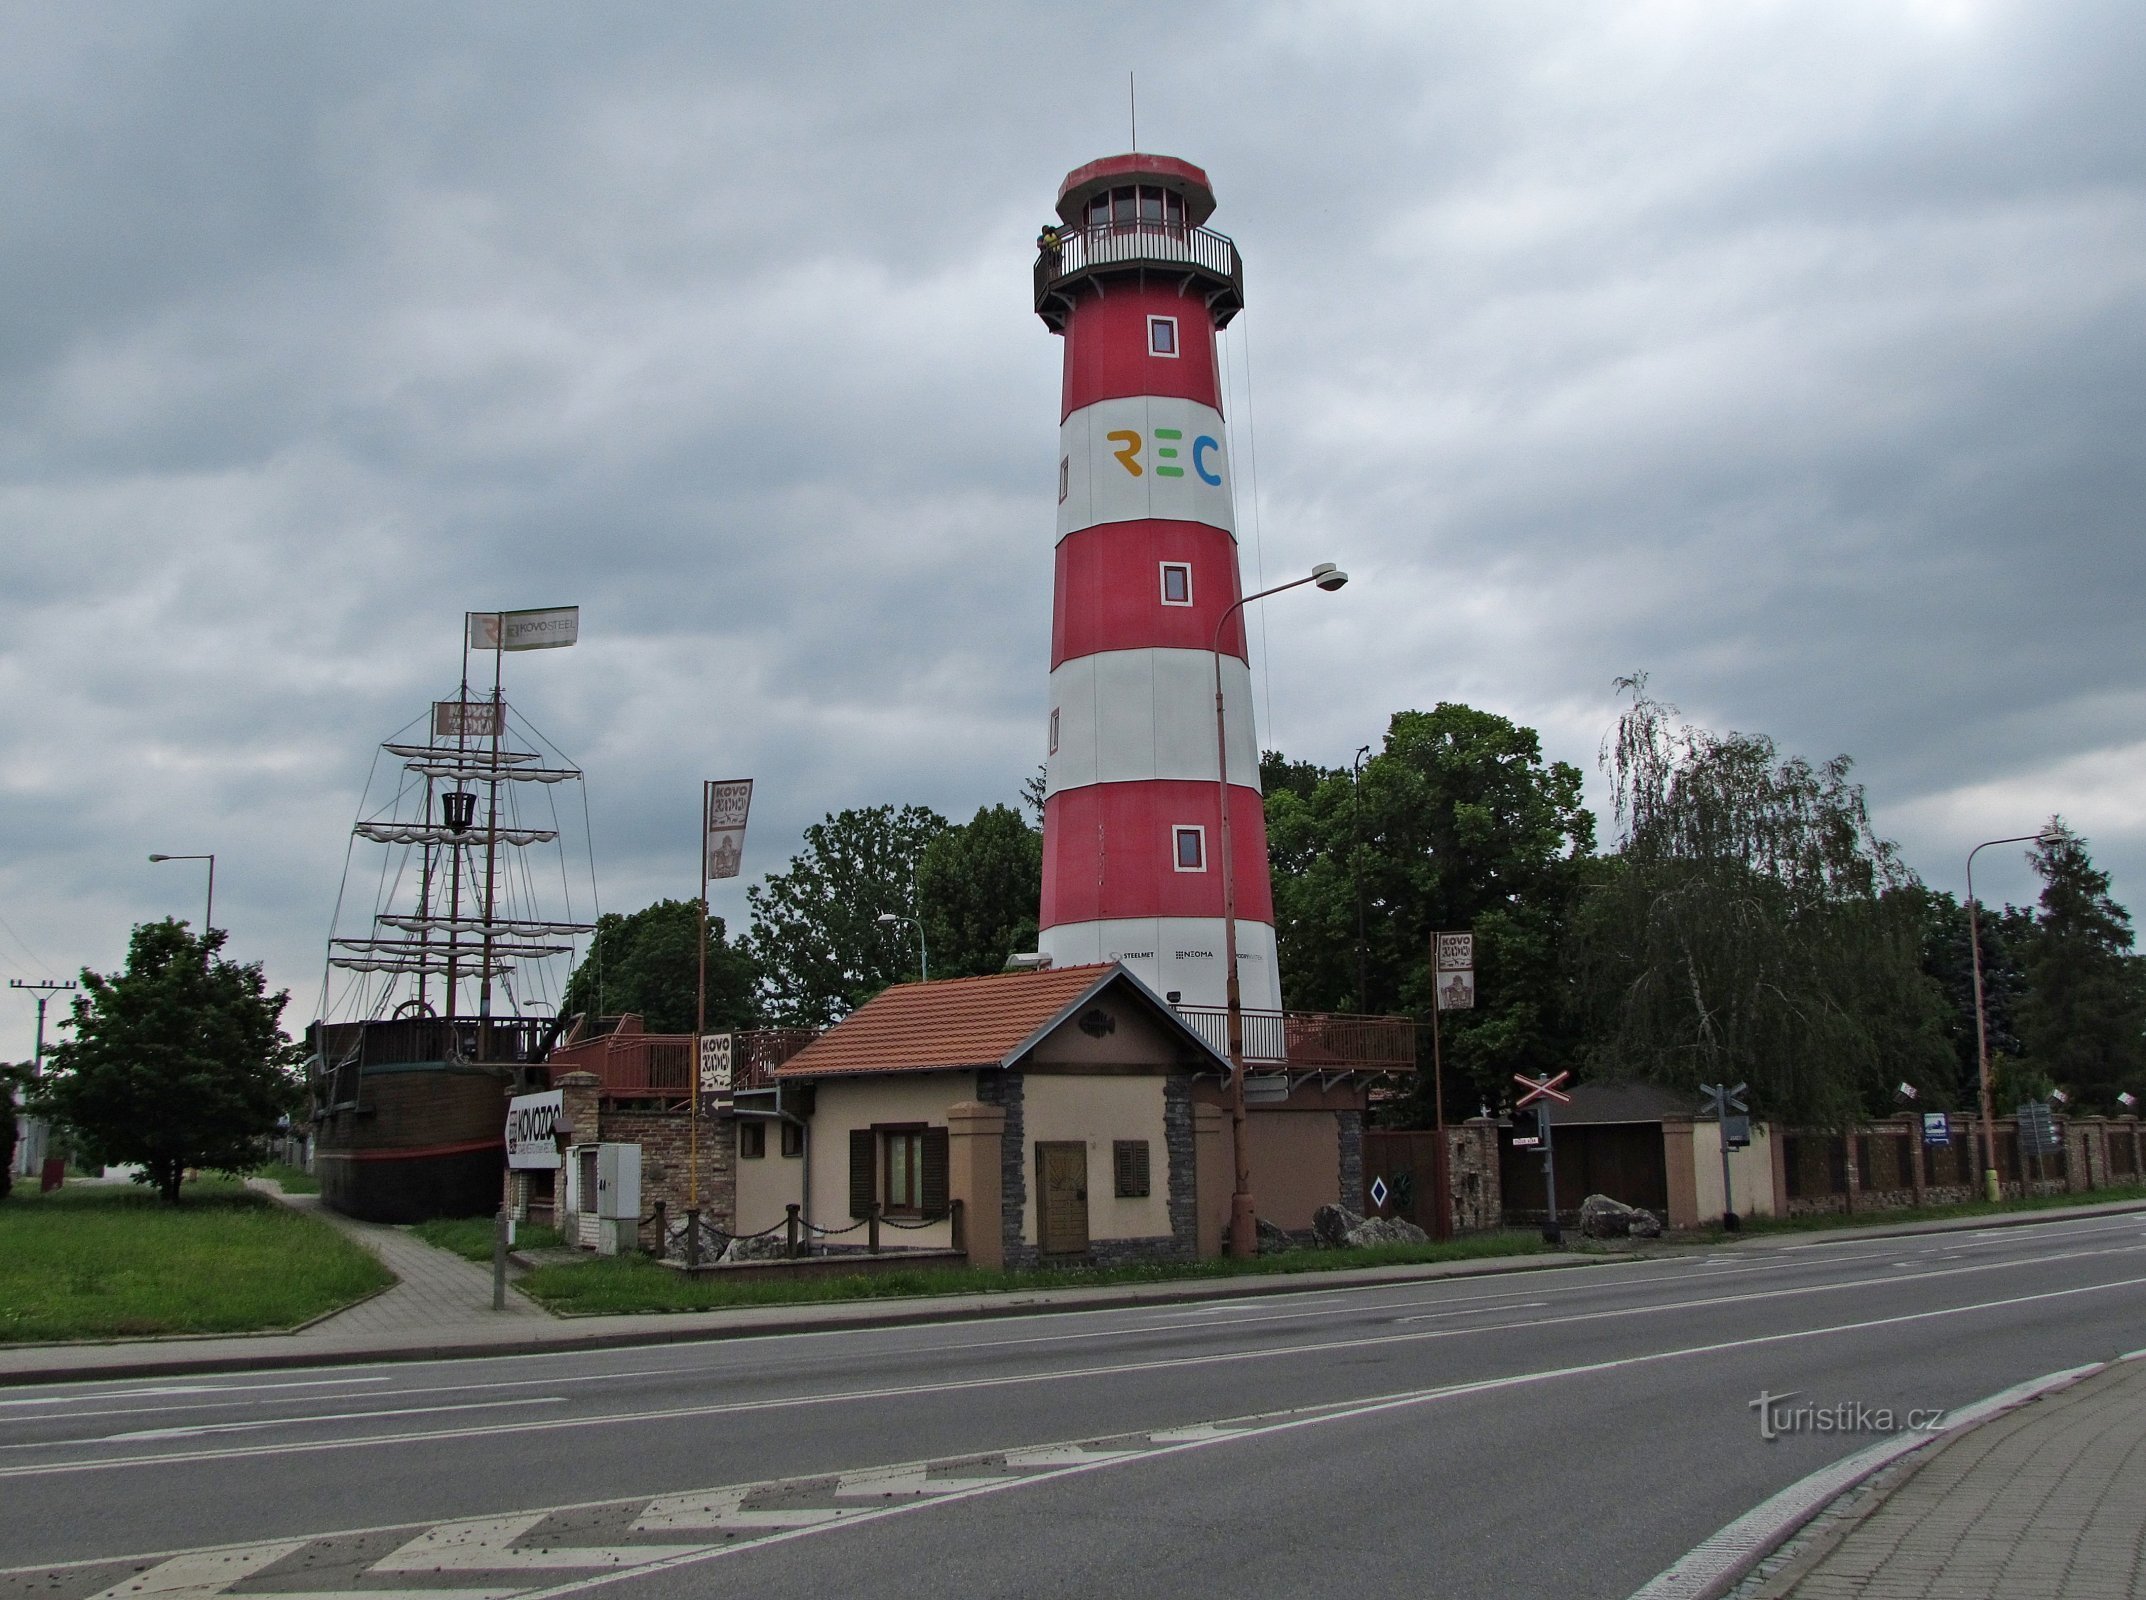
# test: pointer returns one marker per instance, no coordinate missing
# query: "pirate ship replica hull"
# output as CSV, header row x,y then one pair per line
x,y
424,1030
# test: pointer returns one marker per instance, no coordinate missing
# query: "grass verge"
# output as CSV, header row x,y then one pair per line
x,y
1825,1221
612,1285
291,1180
112,1261
471,1237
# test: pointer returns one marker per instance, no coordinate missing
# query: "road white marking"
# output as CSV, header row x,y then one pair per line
x,y
485,1544
1470,1311
183,1388
198,1429
1115,1369
200,1575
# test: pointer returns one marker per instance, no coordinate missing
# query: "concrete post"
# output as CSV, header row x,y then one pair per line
x,y
1680,1163
975,1135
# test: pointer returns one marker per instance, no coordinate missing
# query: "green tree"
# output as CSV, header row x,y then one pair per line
x,y
14,1080
2085,1000
1753,926
981,885
1457,823
1947,960
817,942
644,962
176,1062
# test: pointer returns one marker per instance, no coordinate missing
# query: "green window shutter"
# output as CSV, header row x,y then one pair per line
x,y
863,1180
935,1172
1129,1162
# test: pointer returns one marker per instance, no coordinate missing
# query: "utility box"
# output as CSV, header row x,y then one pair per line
x,y
618,1198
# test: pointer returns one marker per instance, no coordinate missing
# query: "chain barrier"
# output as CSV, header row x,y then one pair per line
x,y
831,1233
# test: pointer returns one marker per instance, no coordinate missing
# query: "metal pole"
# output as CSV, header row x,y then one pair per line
x,y
491,852
700,1026
1982,1039
1356,874
1442,1209
1243,1215
1553,1231
1721,1131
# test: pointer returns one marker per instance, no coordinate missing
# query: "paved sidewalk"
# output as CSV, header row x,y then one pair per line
x,y
2046,1500
439,1295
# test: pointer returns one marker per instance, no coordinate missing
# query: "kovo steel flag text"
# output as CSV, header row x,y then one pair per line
x,y
551,628
724,807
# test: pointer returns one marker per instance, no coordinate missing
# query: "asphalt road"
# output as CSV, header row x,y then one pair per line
x,y
1560,1433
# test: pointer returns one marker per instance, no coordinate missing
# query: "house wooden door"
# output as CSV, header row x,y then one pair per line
x,y
1062,1192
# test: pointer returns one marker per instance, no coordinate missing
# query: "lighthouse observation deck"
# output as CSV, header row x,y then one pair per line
x,y
1070,256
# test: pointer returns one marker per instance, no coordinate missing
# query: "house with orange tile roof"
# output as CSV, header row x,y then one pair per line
x,y
1064,1114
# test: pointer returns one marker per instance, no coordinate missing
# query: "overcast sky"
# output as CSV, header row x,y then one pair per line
x,y
1792,353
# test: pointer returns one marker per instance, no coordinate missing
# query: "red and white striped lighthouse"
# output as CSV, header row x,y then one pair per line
x,y
1146,579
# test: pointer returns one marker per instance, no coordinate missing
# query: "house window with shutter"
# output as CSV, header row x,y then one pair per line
x,y
1129,1163
901,1166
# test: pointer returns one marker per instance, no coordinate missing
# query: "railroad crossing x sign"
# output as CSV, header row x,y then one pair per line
x,y
1541,1089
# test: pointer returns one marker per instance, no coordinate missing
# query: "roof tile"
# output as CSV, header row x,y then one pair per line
x,y
951,1024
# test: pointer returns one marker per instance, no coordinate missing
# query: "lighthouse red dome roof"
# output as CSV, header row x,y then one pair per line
x,y
1083,183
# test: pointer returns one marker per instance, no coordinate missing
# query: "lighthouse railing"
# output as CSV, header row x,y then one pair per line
x,y
1134,244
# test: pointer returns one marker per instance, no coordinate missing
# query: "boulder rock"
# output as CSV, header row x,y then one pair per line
x,y
1604,1218
1386,1230
1331,1225
768,1247
1272,1240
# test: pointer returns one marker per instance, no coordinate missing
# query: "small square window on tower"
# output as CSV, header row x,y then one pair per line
x,y
1162,336
1065,477
1054,735
1191,848
1177,583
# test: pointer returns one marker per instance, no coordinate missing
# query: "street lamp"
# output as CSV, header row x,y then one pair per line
x,y
208,917
887,919
1243,1218
1356,865
1982,1037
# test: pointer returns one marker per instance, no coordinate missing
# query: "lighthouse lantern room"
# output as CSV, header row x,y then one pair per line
x,y
1146,578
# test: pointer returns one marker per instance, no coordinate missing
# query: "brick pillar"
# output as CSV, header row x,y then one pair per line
x,y
1486,1205
1777,1158
1918,1177
974,1133
1681,1164
580,1095
1216,1170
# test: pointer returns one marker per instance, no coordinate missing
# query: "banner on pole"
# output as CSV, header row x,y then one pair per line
x,y
466,719
1456,991
1456,952
724,806
715,1063
551,628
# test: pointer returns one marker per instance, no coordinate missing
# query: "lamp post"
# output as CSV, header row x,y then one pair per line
x,y
1982,1037
1243,1218
208,916
887,919
1356,865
